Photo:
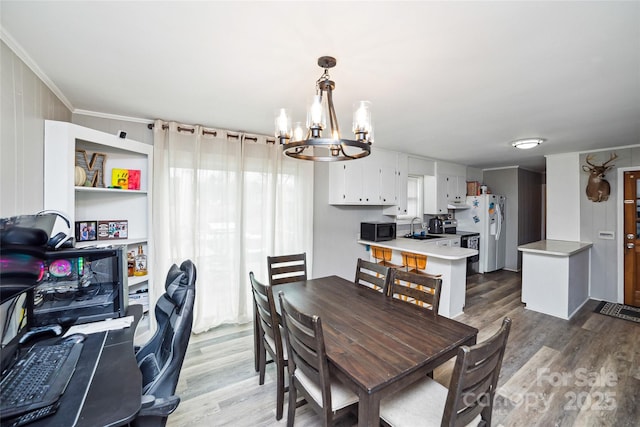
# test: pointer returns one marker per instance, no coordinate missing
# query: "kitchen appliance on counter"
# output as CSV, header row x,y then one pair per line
x,y
436,226
486,216
449,226
377,231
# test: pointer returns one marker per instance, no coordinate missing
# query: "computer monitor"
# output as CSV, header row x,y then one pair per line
x,y
21,267
15,315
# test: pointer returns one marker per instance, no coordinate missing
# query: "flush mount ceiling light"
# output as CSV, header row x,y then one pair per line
x,y
311,145
525,144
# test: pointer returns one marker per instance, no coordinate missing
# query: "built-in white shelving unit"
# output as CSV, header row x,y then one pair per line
x,y
81,203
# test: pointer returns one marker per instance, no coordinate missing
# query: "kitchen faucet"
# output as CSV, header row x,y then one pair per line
x,y
413,219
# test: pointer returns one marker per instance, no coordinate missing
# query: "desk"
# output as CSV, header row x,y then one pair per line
x,y
376,345
108,366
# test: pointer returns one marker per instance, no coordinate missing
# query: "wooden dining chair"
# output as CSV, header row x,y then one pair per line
x,y
372,275
270,338
287,268
309,368
419,289
282,269
469,399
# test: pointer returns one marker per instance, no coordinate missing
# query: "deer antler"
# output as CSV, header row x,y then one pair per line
x,y
612,157
588,160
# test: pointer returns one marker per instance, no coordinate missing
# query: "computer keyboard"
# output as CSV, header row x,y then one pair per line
x,y
38,378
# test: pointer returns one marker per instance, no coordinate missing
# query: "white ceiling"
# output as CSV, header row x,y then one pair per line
x,y
449,80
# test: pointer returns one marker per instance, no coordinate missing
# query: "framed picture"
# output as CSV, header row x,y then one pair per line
x,y
86,231
113,230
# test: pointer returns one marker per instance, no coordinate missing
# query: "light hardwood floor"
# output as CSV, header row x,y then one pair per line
x,y
582,372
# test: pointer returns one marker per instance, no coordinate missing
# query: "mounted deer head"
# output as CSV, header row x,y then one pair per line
x,y
598,188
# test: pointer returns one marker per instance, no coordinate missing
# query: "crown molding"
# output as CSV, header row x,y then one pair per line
x,y
31,64
112,116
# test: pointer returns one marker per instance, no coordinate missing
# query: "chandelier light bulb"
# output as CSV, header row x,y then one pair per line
x,y
362,117
283,123
316,117
298,132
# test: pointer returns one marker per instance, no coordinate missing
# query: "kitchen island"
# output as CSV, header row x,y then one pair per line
x,y
449,262
555,276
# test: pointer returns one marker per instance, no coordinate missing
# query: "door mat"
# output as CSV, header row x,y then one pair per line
x,y
620,311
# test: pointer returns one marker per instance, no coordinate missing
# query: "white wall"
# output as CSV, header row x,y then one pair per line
x,y
603,216
571,216
25,103
563,197
335,230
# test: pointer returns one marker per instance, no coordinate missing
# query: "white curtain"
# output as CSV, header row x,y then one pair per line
x,y
226,200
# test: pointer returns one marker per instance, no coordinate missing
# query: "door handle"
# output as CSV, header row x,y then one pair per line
x,y
630,236
630,246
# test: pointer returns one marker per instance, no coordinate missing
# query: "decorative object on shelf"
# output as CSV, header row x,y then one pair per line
x,y
93,169
311,145
134,179
141,263
527,143
86,231
126,179
80,176
598,188
131,263
113,230
120,178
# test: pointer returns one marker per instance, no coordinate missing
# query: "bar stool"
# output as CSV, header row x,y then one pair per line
x,y
383,257
415,263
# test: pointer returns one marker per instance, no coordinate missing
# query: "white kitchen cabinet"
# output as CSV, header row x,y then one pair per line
x,y
447,186
401,176
368,181
435,195
80,203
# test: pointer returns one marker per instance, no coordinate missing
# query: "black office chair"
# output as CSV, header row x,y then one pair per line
x,y
160,359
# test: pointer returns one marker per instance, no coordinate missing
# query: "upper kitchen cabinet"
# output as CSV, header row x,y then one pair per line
x,y
368,181
447,188
402,168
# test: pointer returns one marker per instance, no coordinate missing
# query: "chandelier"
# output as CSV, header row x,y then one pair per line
x,y
310,144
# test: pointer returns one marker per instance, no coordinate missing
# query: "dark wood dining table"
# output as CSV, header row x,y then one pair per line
x,y
376,345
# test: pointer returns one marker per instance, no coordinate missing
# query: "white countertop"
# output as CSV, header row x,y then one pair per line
x,y
423,247
555,247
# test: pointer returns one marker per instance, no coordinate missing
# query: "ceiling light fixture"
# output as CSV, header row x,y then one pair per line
x,y
525,144
311,145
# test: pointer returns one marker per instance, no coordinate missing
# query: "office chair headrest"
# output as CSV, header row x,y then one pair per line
x,y
176,285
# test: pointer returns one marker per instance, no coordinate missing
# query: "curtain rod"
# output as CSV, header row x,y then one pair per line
x,y
150,126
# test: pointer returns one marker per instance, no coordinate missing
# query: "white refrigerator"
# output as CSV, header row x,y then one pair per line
x,y
485,215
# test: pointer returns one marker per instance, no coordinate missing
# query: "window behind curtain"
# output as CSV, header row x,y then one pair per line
x,y
414,198
227,204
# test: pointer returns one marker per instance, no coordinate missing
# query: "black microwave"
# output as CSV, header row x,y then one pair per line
x,y
377,231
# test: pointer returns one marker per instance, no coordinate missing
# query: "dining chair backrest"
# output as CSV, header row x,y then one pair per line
x,y
307,354
372,275
287,268
266,312
420,289
474,379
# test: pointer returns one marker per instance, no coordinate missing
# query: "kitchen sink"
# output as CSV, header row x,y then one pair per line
x,y
422,236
